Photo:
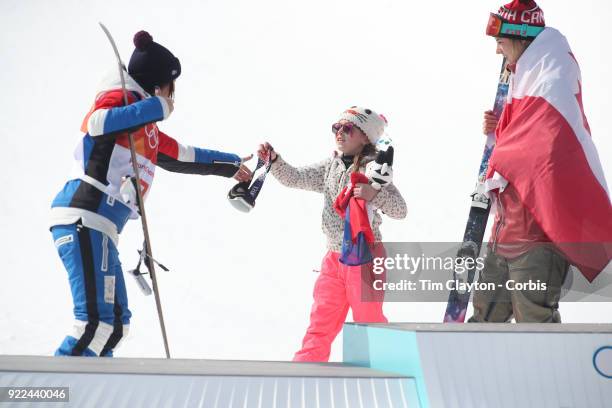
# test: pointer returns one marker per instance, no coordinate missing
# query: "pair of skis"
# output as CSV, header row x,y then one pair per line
x,y
477,219
148,257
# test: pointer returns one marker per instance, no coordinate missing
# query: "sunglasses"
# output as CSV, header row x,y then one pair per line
x,y
498,27
342,127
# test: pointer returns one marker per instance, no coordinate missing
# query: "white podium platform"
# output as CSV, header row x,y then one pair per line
x,y
385,365
492,365
152,383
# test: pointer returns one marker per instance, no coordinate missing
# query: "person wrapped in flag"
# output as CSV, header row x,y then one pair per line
x,y
89,213
339,285
548,187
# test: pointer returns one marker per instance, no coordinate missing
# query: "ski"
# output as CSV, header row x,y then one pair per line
x,y
145,229
477,220
242,196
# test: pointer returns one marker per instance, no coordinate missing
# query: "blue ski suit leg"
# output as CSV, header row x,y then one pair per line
x,y
98,291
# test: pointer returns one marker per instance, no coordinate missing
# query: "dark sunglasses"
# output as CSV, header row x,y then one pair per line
x,y
342,127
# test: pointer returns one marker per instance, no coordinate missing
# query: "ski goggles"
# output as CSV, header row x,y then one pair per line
x,y
342,127
498,27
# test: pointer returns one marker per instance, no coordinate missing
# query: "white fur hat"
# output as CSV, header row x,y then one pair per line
x,y
370,122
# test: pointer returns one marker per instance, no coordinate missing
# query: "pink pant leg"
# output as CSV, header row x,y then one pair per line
x,y
365,302
327,314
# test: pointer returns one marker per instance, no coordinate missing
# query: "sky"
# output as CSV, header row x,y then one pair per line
x,y
240,285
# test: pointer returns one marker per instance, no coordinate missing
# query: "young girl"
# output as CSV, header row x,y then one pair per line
x,y
339,286
90,211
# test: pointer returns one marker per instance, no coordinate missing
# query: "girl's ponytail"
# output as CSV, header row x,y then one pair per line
x,y
357,161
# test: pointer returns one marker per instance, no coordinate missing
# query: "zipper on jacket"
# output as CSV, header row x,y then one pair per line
x,y
237,164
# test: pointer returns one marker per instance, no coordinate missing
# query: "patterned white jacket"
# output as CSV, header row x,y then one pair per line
x,y
329,177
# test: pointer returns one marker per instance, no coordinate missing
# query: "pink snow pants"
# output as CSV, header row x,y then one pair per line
x,y
337,288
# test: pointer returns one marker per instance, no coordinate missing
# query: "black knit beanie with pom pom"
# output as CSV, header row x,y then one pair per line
x,y
152,64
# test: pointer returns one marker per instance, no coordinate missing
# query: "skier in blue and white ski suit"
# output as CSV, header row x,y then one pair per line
x,y
91,210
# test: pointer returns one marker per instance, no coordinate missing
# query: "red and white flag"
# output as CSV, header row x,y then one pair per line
x,y
544,148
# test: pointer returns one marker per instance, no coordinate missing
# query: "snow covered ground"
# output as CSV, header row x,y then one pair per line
x,y
240,285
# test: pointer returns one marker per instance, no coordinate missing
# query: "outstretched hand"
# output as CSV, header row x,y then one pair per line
x,y
265,149
244,173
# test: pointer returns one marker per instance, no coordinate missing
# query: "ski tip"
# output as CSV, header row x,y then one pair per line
x,y
103,27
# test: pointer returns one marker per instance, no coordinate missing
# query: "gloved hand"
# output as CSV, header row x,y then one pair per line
x,y
265,149
380,171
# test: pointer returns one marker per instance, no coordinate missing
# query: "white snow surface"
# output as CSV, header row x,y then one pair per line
x,y
241,284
